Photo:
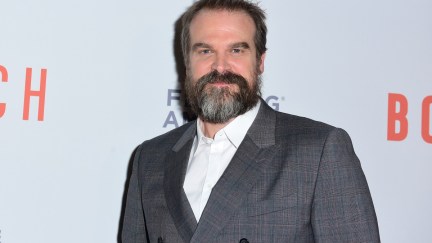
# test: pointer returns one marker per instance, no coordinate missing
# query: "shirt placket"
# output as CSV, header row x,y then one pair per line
x,y
213,169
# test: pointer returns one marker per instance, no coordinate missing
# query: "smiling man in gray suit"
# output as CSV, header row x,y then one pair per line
x,y
243,172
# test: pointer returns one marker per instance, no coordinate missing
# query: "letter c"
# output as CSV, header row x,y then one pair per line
x,y
426,119
4,79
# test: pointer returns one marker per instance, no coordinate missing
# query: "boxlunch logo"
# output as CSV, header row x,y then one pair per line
x,y
27,94
176,117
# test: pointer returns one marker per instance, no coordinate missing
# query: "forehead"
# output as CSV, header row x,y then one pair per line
x,y
221,23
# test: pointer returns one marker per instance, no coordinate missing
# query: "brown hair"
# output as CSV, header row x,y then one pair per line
x,y
255,12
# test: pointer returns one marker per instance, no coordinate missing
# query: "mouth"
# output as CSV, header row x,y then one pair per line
x,y
220,84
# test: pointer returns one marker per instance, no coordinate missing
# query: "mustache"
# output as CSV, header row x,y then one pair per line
x,y
226,77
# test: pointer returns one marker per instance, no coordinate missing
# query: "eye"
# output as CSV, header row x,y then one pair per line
x,y
236,50
204,51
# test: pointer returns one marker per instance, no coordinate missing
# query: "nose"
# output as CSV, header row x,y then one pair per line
x,y
221,63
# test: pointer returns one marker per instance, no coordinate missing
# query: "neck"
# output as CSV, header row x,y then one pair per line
x,y
210,129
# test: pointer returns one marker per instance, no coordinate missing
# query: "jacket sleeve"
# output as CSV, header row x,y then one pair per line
x,y
134,229
342,209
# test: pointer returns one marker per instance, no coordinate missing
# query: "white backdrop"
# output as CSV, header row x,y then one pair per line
x,y
109,68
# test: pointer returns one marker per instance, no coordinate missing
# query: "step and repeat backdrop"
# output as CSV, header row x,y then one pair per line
x,y
83,82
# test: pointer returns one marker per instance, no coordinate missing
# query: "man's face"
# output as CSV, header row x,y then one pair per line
x,y
223,71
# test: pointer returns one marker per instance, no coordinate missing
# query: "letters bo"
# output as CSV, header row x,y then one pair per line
x,y
397,127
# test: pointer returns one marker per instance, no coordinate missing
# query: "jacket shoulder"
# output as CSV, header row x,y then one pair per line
x,y
168,139
300,125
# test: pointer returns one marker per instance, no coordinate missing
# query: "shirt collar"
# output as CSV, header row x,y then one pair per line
x,y
235,130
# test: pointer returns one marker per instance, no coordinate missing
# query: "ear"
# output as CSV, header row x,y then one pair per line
x,y
261,64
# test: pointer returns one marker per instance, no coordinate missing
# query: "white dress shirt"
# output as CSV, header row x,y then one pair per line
x,y
210,157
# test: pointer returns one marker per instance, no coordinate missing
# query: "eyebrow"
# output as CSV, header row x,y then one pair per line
x,y
200,45
243,45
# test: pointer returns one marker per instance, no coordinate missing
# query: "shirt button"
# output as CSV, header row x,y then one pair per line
x,y
244,240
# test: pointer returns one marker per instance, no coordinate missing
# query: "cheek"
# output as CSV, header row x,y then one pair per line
x,y
246,69
199,69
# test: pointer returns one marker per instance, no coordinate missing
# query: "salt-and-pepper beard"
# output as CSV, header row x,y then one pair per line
x,y
220,104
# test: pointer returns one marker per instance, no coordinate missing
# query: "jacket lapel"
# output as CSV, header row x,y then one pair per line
x,y
175,170
254,153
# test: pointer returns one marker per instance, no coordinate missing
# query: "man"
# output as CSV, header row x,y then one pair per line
x,y
242,172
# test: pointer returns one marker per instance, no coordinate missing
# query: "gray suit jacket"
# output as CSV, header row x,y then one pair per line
x,y
291,180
